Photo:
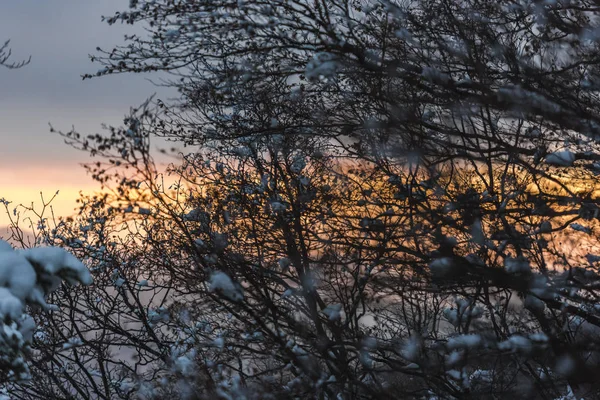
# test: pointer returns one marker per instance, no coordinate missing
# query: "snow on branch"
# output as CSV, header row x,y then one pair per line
x,y
26,277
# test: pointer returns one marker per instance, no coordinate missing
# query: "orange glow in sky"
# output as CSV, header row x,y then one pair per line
x,y
23,185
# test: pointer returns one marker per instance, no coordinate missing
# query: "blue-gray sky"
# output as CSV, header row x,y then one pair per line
x,y
59,35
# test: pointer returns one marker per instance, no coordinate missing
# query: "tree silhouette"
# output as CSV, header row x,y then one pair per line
x,y
375,200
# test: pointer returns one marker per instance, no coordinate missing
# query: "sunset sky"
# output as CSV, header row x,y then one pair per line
x,y
59,35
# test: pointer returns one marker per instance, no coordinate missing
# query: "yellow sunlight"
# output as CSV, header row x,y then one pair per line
x,y
26,186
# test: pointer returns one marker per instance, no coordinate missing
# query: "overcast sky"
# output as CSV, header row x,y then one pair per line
x,y
59,35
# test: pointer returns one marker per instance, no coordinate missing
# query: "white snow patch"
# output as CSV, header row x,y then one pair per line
x,y
57,261
580,228
464,341
333,312
440,266
518,265
222,283
10,306
563,158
